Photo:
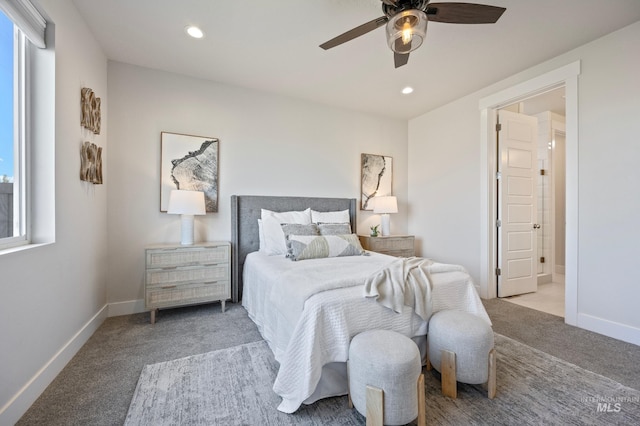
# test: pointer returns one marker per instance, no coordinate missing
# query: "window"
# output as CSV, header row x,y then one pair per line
x,y
9,219
21,28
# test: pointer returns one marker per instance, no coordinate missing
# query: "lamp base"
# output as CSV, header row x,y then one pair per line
x,y
186,221
385,225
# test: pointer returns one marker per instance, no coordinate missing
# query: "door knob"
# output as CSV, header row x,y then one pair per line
x,y
536,226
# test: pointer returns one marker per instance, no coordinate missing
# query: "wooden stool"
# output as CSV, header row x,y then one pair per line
x,y
386,384
460,346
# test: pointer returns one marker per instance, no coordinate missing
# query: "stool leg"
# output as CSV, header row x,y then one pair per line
x,y
448,373
422,402
375,406
491,385
428,365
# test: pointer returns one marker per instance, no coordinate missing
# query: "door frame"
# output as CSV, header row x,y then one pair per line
x,y
566,76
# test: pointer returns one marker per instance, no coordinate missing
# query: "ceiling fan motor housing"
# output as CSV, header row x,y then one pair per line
x,y
393,7
406,30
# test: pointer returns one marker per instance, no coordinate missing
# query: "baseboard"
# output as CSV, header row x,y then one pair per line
x,y
126,308
613,329
544,278
21,401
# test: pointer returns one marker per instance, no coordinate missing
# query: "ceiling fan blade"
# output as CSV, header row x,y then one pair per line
x,y
355,32
400,59
463,13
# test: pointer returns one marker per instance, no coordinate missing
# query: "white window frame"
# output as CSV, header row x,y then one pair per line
x,y
20,190
34,128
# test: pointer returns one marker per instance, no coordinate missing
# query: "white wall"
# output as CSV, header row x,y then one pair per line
x,y
269,145
445,189
443,184
52,296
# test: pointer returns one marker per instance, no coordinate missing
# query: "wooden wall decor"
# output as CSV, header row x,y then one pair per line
x,y
91,163
90,110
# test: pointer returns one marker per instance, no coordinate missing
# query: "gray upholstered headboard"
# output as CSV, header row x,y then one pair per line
x,y
245,212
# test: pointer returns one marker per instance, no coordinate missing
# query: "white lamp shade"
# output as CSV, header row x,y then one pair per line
x,y
186,202
388,204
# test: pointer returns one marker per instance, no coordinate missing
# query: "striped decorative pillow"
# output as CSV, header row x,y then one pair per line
x,y
302,247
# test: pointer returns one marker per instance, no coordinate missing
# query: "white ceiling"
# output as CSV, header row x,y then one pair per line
x,y
273,46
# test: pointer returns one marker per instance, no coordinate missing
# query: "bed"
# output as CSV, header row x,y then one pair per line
x,y
309,310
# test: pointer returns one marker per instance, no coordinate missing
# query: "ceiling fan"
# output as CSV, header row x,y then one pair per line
x,y
406,22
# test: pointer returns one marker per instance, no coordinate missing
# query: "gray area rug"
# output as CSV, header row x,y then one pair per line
x,y
233,387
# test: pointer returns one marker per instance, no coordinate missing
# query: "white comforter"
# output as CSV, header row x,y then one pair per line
x,y
308,311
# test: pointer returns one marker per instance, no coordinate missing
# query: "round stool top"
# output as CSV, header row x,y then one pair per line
x,y
382,347
459,322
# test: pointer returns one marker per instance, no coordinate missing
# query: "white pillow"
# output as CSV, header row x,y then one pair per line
x,y
274,239
330,217
263,246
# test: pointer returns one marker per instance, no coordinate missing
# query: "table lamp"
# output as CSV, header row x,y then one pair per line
x,y
384,206
186,204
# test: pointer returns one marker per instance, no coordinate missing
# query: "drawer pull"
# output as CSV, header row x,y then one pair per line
x,y
169,267
164,287
210,282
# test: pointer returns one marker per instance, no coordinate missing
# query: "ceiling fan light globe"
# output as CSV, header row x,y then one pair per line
x,y
406,31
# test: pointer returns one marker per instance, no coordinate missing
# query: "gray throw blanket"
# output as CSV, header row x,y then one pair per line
x,y
406,281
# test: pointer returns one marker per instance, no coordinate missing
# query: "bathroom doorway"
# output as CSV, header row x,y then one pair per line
x,y
549,109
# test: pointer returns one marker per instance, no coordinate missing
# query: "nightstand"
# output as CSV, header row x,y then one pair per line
x,y
177,275
393,245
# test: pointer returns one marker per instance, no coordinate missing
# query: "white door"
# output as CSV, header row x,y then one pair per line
x,y
517,204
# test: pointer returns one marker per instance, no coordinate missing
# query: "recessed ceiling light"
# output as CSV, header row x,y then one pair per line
x,y
407,90
194,31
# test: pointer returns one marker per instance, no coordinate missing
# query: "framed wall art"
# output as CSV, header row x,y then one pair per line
x,y
376,178
191,163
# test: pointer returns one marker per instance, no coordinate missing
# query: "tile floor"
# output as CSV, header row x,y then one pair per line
x,y
549,298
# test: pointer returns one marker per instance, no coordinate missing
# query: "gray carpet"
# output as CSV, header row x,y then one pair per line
x,y
604,355
233,387
97,386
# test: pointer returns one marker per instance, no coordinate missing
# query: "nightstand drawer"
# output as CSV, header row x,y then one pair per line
x,y
169,295
166,258
395,245
390,243
169,276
